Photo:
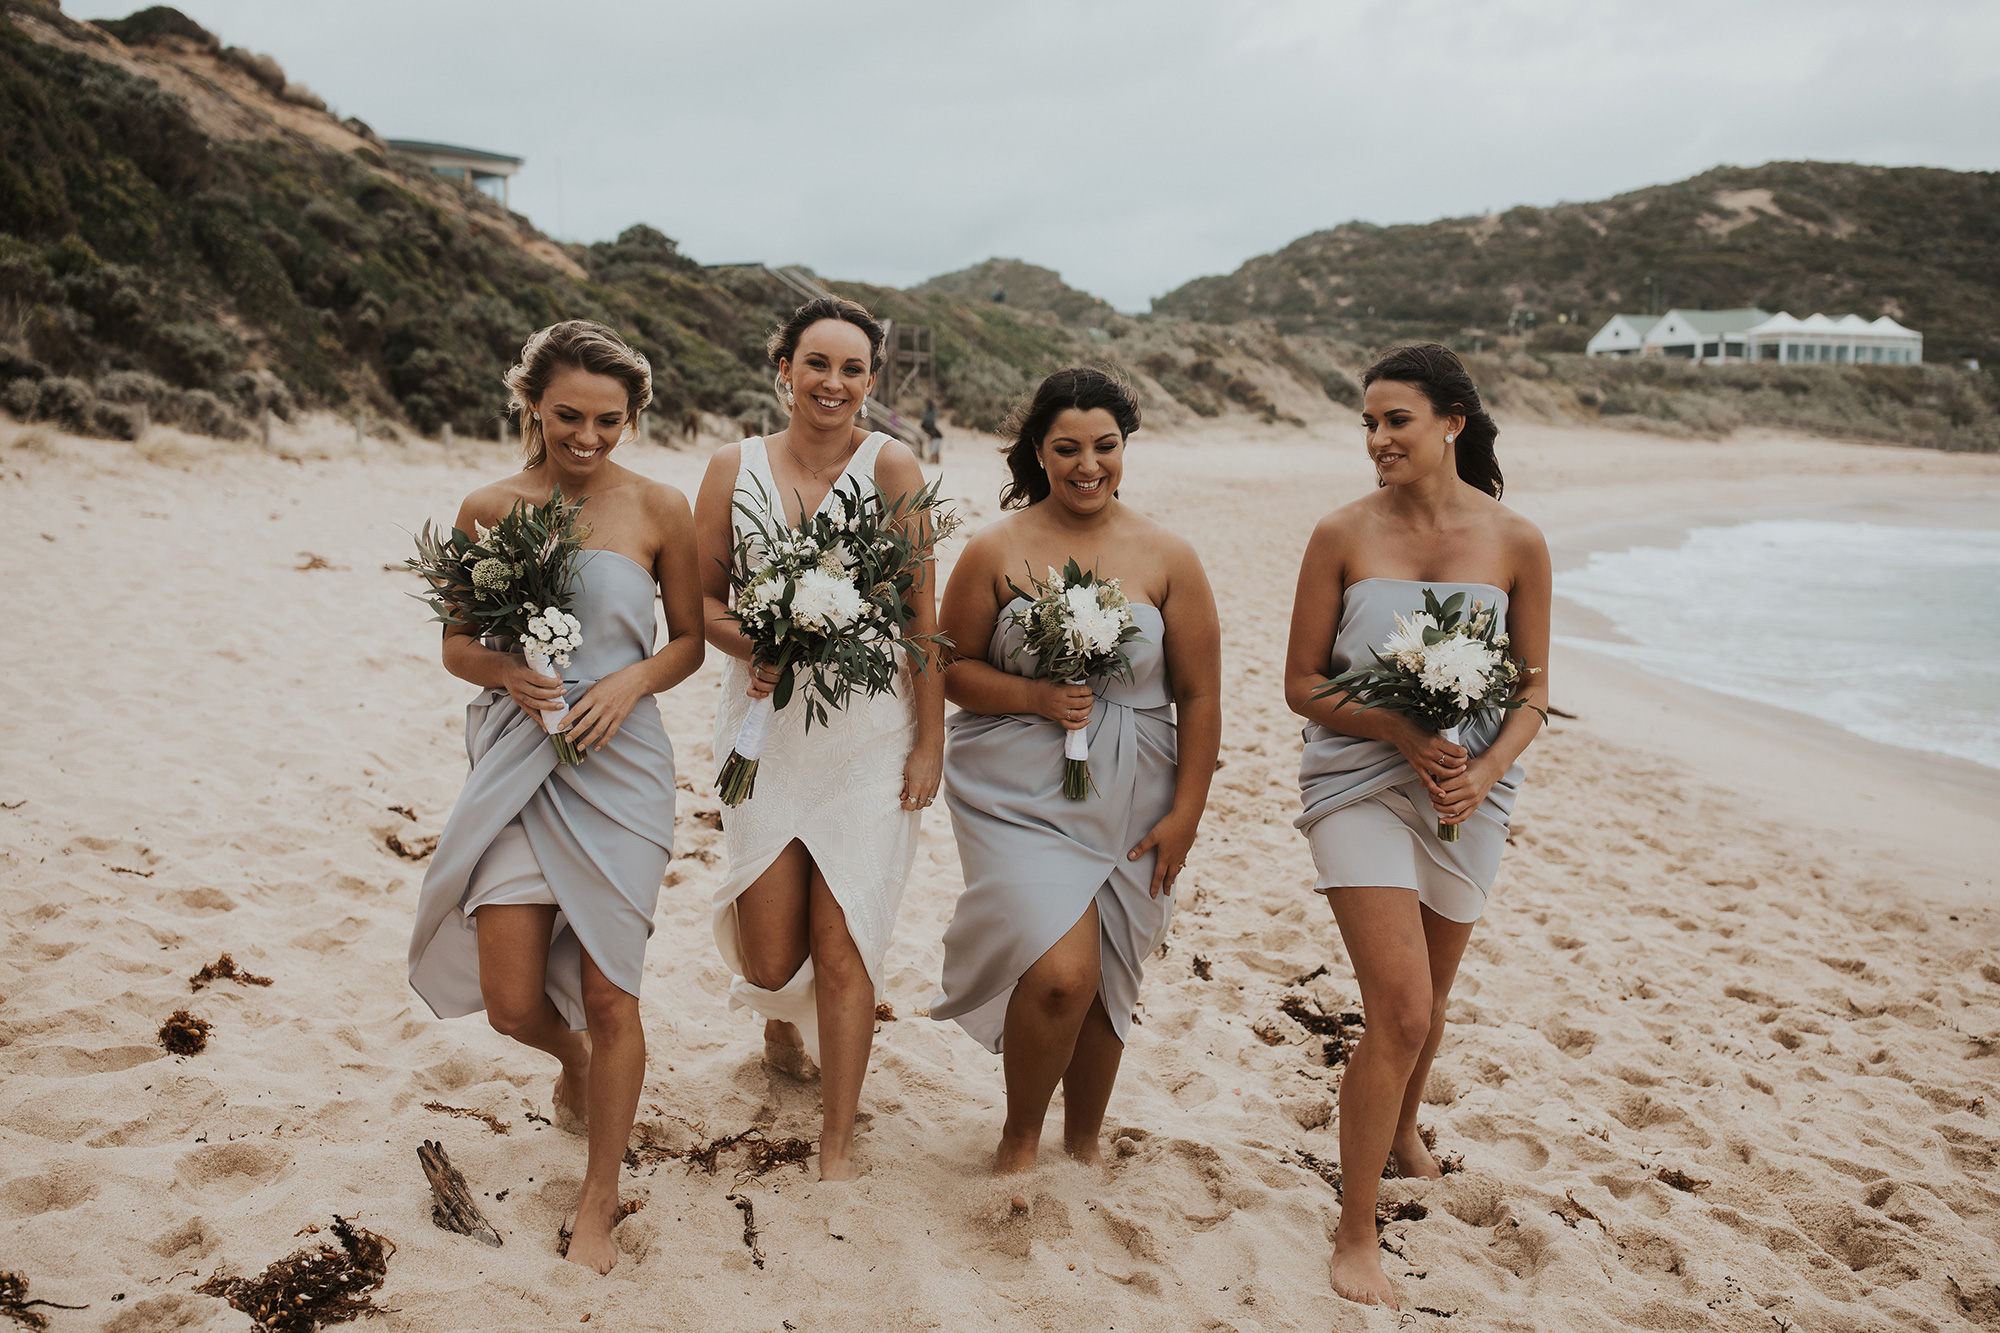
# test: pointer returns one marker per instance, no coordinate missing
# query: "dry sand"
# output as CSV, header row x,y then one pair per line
x,y
1709,951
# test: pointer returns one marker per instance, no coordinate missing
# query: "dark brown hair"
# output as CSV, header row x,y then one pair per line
x,y
1436,370
784,342
1084,388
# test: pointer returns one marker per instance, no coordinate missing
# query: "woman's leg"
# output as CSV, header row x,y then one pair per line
x,y
771,922
1444,941
513,981
1086,1084
845,996
1383,930
1044,1016
617,1072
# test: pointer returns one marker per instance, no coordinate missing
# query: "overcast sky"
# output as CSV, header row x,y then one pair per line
x,y
1130,145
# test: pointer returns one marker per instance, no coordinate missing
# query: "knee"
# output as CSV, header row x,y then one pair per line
x,y
1402,1025
1062,991
770,971
512,1015
610,1012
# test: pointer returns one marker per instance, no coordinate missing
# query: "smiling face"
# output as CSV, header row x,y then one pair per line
x,y
828,374
1084,455
584,416
1406,436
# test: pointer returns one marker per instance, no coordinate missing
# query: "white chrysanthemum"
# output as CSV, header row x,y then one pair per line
x,y
1458,666
825,602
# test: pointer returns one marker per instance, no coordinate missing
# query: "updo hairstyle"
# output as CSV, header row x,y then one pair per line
x,y
783,344
1437,372
1084,388
574,344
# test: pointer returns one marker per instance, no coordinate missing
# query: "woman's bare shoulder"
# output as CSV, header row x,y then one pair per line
x,y
490,503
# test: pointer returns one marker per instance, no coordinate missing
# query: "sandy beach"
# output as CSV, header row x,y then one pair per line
x,y
1729,945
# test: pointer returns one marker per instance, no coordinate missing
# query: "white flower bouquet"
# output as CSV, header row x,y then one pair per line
x,y
1442,666
828,604
513,582
1076,625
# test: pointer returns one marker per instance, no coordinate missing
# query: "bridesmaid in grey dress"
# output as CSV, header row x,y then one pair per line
x,y
1065,899
539,899
1376,784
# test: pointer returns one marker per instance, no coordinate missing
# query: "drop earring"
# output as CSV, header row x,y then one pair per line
x,y
864,409
788,395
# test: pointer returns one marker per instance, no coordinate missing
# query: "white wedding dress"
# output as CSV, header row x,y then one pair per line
x,y
837,789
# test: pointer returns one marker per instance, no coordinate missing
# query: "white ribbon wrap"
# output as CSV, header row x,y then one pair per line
x,y
1076,744
552,720
1451,734
756,729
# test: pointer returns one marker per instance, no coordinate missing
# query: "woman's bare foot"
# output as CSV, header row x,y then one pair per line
x,y
569,1101
785,1051
1356,1270
1088,1153
1016,1157
838,1165
590,1242
1412,1160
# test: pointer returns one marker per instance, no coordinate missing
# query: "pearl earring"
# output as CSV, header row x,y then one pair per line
x,y
1449,438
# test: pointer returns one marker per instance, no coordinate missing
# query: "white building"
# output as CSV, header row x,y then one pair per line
x,y
1622,335
489,173
1847,340
1694,335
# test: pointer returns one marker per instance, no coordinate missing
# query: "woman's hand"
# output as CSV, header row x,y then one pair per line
x,y
1171,837
1456,799
922,772
536,693
1436,759
763,679
604,707
1070,705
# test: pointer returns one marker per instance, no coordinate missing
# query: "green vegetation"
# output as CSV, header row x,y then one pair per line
x,y
1918,244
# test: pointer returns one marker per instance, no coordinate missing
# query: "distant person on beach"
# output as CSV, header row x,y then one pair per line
x,y
690,425
1065,899
933,437
539,899
1377,784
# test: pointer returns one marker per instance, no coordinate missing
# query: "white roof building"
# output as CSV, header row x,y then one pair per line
x,y
1847,340
1622,335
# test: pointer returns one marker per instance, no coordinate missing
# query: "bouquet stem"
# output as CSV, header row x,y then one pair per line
x,y
552,720
737,781
1449,832
1076,764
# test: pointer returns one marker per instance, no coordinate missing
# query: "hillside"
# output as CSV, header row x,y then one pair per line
x,y
1918,244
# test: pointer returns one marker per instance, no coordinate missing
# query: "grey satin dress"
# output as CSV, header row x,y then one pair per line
x,y
1035,861
1367,816
594,839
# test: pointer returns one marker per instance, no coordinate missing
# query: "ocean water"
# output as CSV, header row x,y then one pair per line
x,y
1892,633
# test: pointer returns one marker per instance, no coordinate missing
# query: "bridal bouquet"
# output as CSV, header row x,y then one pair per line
x,y
1442,666
512,581
828,604
1076,625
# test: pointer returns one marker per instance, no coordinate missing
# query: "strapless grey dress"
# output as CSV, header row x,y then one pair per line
x,y
1035,861
1367,816
594,839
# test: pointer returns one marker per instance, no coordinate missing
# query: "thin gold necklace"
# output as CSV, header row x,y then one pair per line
x,y
809,467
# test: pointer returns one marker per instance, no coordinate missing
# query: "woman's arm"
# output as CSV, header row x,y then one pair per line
x,y
715,536
606,704
1528,639
1193,652
897,478
470,660
1316,608
971,611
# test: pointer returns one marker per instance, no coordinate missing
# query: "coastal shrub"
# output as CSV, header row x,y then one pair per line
x,y
981,390
195,355
21,397
63,400
202,412
117,421
136,388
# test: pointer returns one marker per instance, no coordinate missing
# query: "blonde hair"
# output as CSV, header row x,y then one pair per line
x,y
574,344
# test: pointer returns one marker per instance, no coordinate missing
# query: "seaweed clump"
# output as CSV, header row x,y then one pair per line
x,y
766,1155
225,969
14,1302
1341,1030
184,1034
314,1286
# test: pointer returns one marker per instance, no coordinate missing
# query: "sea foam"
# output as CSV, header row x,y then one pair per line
x,y
1892,633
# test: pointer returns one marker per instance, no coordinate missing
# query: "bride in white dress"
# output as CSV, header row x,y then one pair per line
x,y
819,855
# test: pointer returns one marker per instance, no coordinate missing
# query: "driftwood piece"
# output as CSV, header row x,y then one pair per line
x,y
452,1208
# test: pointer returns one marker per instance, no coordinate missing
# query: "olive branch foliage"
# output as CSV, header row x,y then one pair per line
x,y
537,544
890,542
1390,684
